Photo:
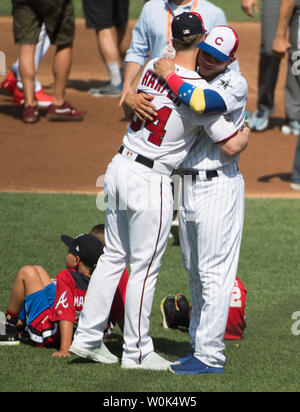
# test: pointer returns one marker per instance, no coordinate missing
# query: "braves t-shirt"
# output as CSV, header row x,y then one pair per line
x,y
71,287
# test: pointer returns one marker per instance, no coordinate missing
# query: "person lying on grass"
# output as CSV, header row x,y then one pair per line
x,y
47,310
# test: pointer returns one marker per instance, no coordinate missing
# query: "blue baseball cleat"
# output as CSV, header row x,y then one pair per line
x,y
193,366
189,355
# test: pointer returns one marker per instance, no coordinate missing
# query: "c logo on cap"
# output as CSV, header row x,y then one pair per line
x,y
219,41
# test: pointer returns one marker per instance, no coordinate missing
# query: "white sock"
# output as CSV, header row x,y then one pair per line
x,y
114,72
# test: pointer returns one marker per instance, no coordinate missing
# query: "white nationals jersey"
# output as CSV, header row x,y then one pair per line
x,y
205,154
169,137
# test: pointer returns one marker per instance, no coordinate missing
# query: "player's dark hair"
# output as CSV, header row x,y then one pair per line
x,y
187,42
97,229
98,232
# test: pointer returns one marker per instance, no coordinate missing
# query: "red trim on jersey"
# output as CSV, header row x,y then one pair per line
x,y
227,138
148,270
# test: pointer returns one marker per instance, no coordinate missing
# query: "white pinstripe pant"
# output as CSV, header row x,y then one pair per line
x,y
136,232
211,222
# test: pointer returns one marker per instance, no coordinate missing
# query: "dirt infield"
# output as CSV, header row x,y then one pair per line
x,y
69,157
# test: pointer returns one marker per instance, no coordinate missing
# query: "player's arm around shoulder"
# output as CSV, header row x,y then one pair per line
x,y
233,88
202,100
237,143
139,103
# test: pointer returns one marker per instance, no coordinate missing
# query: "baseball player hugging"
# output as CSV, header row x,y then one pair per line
x,y
212,210
135,232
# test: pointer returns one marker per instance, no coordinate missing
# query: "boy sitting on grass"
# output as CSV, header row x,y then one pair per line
x,y
48,309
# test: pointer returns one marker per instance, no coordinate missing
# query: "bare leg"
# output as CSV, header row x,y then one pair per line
x,y
61,70
107,45
108,48
123,47
29,279
27,72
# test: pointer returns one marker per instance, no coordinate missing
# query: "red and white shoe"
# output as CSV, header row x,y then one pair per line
x,y
42,99
9,83
30,114
18,97
66,112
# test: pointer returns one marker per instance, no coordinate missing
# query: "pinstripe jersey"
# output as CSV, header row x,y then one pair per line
x,y
170,135
205,154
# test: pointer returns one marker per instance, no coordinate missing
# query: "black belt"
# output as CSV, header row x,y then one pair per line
x,y
210,174
140,159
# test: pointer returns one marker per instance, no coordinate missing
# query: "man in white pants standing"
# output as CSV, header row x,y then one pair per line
x,y
212,212
140,210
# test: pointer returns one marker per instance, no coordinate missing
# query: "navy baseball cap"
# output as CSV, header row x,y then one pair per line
x,y
187,24
86,246
221,42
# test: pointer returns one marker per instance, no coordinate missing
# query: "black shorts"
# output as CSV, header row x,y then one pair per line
x,y
103,14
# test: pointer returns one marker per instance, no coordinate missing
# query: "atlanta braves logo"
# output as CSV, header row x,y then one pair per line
x,y
219,41
62,301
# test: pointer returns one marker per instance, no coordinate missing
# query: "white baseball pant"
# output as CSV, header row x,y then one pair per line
x,y
136,232
210,229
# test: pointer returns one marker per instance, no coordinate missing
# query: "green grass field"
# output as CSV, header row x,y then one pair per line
x,y
232,9
266,360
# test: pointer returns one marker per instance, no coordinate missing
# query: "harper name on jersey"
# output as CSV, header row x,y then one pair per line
x,y
151,81
169,137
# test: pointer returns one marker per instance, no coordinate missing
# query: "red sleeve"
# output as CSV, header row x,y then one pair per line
x,y
174,82
236,317
117,308
64,298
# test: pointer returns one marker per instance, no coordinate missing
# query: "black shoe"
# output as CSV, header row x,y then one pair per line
x,y
182,304
25,338
10,335
167,308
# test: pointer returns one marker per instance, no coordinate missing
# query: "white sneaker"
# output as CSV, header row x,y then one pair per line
x,y
260,119
97,354
152,362
295,186
109,90
291,127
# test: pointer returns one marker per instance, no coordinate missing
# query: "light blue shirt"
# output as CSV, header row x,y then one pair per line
x,y
150,32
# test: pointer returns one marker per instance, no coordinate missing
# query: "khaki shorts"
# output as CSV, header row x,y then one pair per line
x,y
58,16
